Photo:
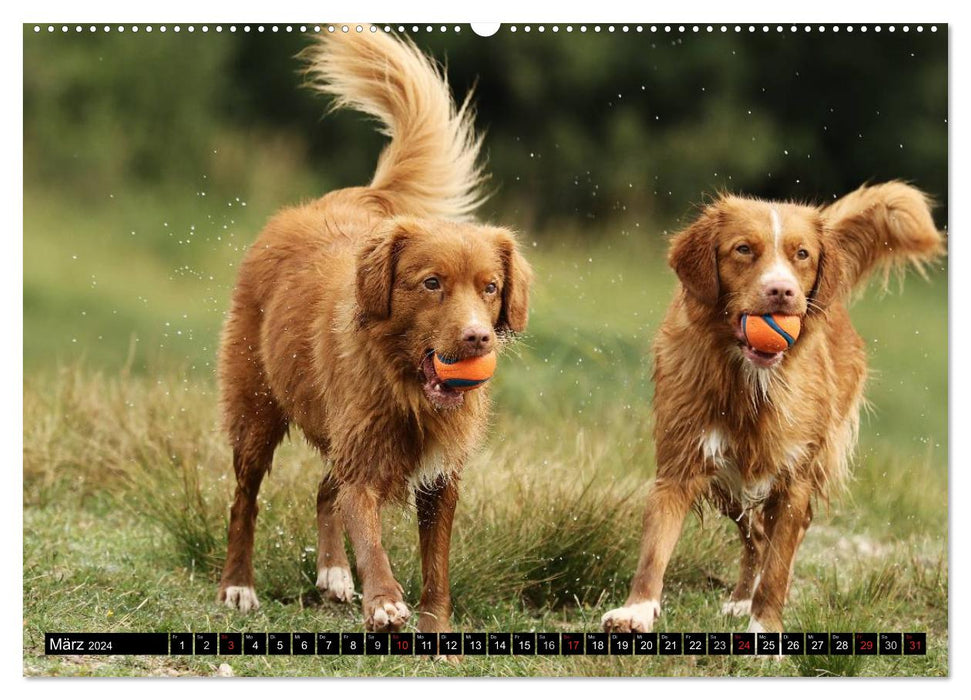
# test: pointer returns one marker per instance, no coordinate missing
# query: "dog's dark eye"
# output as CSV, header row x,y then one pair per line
x,y
802,254
491,288
743,249
432,284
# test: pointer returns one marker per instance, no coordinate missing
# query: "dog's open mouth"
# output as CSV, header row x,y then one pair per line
x,y
441,395
763,360
759,358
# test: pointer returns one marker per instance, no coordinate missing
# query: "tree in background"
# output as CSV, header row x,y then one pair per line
x,y
580,126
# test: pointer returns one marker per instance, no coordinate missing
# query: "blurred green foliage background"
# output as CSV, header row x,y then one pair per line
x,y
151,160
581,124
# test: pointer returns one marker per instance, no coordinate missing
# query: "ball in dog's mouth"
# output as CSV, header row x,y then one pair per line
x,y
440,395
759,358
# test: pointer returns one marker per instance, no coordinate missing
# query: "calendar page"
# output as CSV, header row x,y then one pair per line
x,y
545,350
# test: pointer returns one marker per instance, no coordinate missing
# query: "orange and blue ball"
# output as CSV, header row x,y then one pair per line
x,y
771,333
466,374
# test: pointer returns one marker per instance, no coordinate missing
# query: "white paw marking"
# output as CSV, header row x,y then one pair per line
x,y
336,583
634,618
737,608
390,614
242,598
755,626
225,671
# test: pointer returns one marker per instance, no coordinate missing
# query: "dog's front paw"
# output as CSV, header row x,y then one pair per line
x,y
447,658
754,625
737,608
639,617
434,622
383,613
242,598
335,583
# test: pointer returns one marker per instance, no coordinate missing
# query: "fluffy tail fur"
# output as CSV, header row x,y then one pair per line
x,y
883,228
430,167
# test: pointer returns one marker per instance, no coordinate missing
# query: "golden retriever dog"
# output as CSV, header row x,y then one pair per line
x,y
761,435
337,309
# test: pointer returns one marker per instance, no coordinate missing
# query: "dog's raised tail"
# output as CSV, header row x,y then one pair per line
x,y
431,165
882,228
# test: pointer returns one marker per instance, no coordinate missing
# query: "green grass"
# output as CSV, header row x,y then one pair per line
x,y
127,480
127,487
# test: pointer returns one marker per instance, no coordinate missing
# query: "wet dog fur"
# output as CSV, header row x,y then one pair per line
x,y
336,308
761,435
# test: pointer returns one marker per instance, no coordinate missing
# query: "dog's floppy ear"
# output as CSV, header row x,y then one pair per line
x,y
694,257
830,275
515,288
376,261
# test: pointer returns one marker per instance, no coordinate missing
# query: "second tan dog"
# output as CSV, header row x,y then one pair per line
x,y
337,308
762,434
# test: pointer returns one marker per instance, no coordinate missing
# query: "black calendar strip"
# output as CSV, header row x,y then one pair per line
x,y
487,643
105,643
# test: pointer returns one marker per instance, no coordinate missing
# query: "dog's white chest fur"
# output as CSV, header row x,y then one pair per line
x,y
716,447
430,469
